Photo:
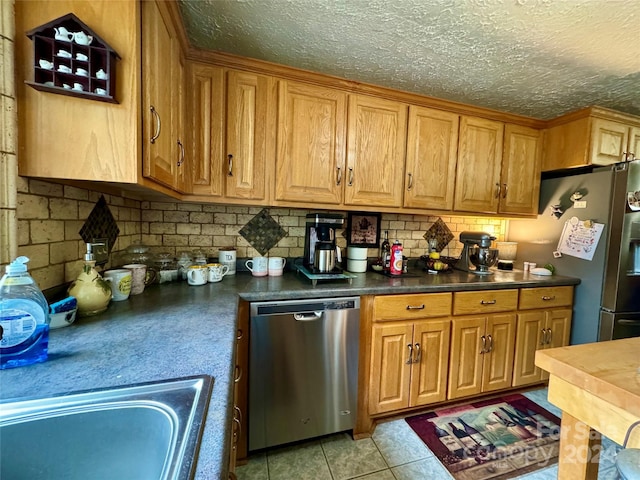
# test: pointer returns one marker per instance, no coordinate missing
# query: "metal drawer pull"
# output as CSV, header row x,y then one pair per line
x,y
307,317
543,336
155,136
410,185
504,193
484,344
549,337
350,176
181,159
418,353
546,298
490,338
230,157
410,361
488,302
339,177
415,307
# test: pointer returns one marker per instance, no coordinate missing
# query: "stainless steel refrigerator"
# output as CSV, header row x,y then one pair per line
x,y
607,301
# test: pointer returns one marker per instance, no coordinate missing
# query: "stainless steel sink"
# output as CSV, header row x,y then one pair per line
x,y
144,431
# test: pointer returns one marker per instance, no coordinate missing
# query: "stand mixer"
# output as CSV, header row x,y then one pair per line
x,y
476,251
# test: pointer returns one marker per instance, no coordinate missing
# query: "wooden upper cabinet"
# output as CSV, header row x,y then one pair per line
x,y
609,141
376,140
311,130
161,74
634,143
479,164
520,175
231,135
249,136
432,149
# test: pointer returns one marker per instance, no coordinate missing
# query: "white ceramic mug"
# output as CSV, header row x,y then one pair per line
x,y
78,86
197,274
120,281
101,91
217,271
227,256
82,72
258,266
138,277
276,266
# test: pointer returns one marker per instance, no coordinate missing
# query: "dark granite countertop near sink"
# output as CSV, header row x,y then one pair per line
x,y
175,330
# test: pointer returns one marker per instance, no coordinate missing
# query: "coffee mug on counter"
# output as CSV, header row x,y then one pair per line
x,y
227,256
258,266
216,272
276,266
138,277
120,281
197,274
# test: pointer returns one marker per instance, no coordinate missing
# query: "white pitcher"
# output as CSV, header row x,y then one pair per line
x,y
63,34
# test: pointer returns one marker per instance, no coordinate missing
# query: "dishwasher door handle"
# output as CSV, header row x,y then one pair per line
x,y
307,317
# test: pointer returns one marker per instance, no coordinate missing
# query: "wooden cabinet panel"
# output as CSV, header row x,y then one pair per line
x,y
206,144
609,141
412,306
634,143
545,297
465,365
311,145
479,165
558,323
390,373
520,174
432,147
376,141
487,301
248,134
429,375
497,369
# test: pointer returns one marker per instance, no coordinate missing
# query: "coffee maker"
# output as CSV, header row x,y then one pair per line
x,y
476,251
321,254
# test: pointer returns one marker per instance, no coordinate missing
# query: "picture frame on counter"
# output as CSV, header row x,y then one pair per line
x,y
363,229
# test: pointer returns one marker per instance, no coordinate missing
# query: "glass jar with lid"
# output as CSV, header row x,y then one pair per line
x,y
166,267
185,260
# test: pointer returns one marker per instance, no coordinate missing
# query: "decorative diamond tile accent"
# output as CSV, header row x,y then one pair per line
x,y
100,224
441,233
263,232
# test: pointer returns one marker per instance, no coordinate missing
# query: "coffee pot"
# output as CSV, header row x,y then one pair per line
x,y
321,254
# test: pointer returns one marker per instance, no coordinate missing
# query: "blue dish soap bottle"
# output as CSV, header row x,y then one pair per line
x,y
24,318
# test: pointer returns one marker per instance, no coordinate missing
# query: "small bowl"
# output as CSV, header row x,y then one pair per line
x,y
376,268
62,319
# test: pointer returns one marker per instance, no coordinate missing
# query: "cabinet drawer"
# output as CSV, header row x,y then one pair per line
x,y
486,301
544,297
404,307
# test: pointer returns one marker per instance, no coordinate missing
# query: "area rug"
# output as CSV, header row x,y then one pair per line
x,y
491,439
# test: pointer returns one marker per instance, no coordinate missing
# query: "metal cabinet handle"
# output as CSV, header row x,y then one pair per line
x,y
350,177
230,159
543,336
410,185
498,190
628,156
409,360
155,113
339,176
484,344
239,334
547,298
418,353
238,374
504,192
490,348
550,336
415,307
181,159
488,302
307,317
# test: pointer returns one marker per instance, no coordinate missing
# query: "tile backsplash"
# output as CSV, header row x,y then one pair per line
x,y
50,217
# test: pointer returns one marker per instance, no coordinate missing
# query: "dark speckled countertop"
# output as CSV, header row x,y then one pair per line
x,y
175,330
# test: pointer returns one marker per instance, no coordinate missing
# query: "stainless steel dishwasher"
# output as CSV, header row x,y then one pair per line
x,y
303,369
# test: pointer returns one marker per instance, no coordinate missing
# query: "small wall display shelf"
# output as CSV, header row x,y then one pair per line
x,y
70,59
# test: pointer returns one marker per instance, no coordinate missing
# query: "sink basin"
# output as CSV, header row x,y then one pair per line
x,y
143,431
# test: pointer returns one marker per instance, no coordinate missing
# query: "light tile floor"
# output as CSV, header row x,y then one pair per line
x,y
394,452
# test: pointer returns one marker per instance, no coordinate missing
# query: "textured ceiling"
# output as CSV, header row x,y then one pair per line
x,y
539,58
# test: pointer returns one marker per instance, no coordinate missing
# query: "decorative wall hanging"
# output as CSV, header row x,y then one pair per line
x,y
70,59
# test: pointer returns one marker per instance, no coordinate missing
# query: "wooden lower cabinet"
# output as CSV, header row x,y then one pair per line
x,y
481,354
408,364
538,329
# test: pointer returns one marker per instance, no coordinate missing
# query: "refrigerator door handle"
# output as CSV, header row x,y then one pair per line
x,y
627,321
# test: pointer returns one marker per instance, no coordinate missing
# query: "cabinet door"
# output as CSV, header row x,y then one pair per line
x,y
479,163
520,174
206,129
634,143
390,372
429,375
376,140
497,369
530,337
185,157
609,141
465,365
432,149
248,134
158,36
310,143
558,323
